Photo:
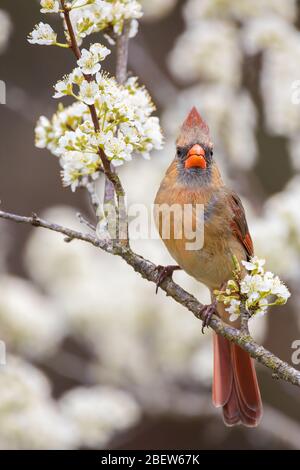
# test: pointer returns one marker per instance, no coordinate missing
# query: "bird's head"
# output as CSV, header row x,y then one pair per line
x,y
194,149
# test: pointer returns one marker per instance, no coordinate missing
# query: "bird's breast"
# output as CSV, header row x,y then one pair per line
x,y
210,263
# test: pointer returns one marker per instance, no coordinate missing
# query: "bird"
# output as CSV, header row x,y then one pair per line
x,y
192,178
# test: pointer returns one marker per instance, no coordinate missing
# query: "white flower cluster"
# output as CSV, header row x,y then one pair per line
x,y
255,292
89,16
126,124
98,15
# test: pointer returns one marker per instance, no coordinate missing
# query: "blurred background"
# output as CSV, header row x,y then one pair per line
x,y
94,358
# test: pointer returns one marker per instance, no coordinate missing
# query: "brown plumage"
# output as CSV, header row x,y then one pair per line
x,y
194,178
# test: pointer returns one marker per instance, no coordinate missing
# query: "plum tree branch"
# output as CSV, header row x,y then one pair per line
x,y
149,271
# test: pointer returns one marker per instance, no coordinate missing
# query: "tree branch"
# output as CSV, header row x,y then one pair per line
x,y
122,54
149,271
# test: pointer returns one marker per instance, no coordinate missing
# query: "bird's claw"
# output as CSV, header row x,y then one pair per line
x,y
206,312
163,273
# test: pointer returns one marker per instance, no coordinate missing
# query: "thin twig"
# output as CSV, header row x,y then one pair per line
x,y
86,222
244,321
122,54
94,199
149,271
70,234
121,77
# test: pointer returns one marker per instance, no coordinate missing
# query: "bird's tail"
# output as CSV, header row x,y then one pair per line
x,y
235,385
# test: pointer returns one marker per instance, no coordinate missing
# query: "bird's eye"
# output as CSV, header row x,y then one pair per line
x,y
178,152
211,153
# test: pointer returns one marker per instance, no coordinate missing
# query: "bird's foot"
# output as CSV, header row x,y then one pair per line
x,y
206,312
163,273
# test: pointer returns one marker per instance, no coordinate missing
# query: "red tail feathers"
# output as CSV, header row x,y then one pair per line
x,y
235,385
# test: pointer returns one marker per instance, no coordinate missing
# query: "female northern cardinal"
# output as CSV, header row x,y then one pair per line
x,y
193,178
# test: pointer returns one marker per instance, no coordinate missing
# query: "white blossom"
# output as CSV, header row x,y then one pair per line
x,y
29,322
256,264
100,51
50,6
88,62
77,165
98,413
239,10
63,87
115,147
156,9
42,34
271,32
29,417
43,127
213,53
280,216
88,92
234,309
76,76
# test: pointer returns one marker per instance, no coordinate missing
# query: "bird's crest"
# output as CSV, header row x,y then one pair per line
x,y
194,129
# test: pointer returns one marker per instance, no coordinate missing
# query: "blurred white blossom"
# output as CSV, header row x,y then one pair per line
x,y
98,413
213,54
5,29
280,69
239,10
280,217
271,32
29,322
29,417
155,9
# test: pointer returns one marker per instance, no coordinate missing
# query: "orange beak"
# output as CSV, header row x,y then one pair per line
x,y
196,157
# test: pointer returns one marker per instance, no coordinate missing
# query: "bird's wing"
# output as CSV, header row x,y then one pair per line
x,y
239,224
